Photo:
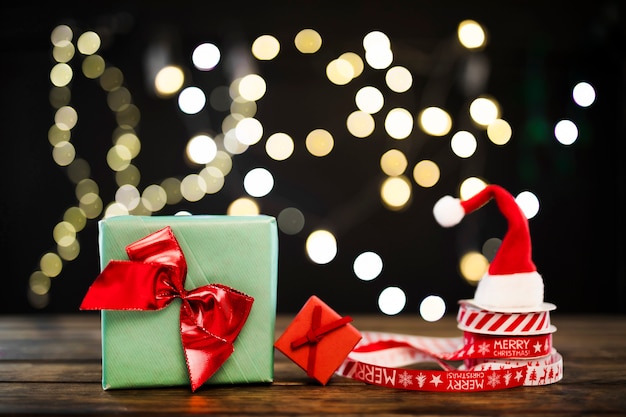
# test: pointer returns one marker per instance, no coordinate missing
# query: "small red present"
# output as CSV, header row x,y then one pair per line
x,y
318,339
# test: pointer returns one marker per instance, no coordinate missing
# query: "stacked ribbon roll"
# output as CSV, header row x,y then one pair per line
x,y
495,340
507,334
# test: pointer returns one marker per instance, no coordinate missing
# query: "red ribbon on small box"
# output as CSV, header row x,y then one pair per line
x,y
318,339
211,316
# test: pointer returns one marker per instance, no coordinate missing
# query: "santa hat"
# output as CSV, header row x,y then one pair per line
x,y
512,283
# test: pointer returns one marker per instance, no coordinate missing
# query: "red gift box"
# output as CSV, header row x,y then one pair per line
x,y
318,339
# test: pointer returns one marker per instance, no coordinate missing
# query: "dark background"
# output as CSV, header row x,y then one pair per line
x,y
536,53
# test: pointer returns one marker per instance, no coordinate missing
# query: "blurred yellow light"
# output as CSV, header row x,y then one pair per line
x,y
319,142
51,264
435,121
471,34
355,62
88,43
340,71
279,146
223,162
321,246
154,197
426,173
243,207
470,187
93,66
111,79
252,87
395,192
128,116
129,175
64,233
213,178
308,41
118,157
69,252
39,283
169,80
64,53
76,217
265,47
393,162
398,79
119,99
484,110
193,187
91,204
61,35
61,75
66,118
360,124
172,189
473,266
63,153
499,132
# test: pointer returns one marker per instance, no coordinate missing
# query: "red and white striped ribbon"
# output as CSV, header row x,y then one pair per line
x,y
475,320
378,358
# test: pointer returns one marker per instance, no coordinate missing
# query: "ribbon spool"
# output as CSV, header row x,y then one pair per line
x,y
518,356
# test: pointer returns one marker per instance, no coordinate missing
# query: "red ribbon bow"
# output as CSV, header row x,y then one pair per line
x,y
316,333
211,316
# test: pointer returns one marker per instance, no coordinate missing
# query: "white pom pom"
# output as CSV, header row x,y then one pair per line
x,y
448,211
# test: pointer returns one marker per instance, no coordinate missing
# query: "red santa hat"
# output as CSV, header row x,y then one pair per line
x,y
512,283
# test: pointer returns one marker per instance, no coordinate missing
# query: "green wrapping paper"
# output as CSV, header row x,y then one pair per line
x,y
143,348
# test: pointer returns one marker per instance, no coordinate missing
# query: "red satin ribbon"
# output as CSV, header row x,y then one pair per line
x,y
315,334
211,316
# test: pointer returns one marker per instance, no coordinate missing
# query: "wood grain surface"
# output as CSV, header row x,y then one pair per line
x,y
50,365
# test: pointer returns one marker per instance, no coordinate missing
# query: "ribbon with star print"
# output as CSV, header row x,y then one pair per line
x,y
489,362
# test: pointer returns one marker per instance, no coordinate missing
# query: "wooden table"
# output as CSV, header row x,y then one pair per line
x,y
50,365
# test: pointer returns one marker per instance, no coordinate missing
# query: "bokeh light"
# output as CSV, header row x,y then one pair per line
x,y
367,266
321,246
432,308
392,300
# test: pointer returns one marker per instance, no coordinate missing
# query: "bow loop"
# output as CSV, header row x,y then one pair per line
x,y
211,316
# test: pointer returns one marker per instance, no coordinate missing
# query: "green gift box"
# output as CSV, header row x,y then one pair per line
x,y
143,348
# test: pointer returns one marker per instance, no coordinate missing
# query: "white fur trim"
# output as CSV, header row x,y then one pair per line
x,y
514,292
448,211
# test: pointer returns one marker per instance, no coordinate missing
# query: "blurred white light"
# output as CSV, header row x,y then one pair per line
x,y
128,196
398,79
369,99
321,247
484,111
279,146
376,40
367,266
399,123
435,121
258,182
191,100
252,87
584,94
201,149
206,56
432,308
566,132
463,144
529,203
391,300
249,131
379,58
